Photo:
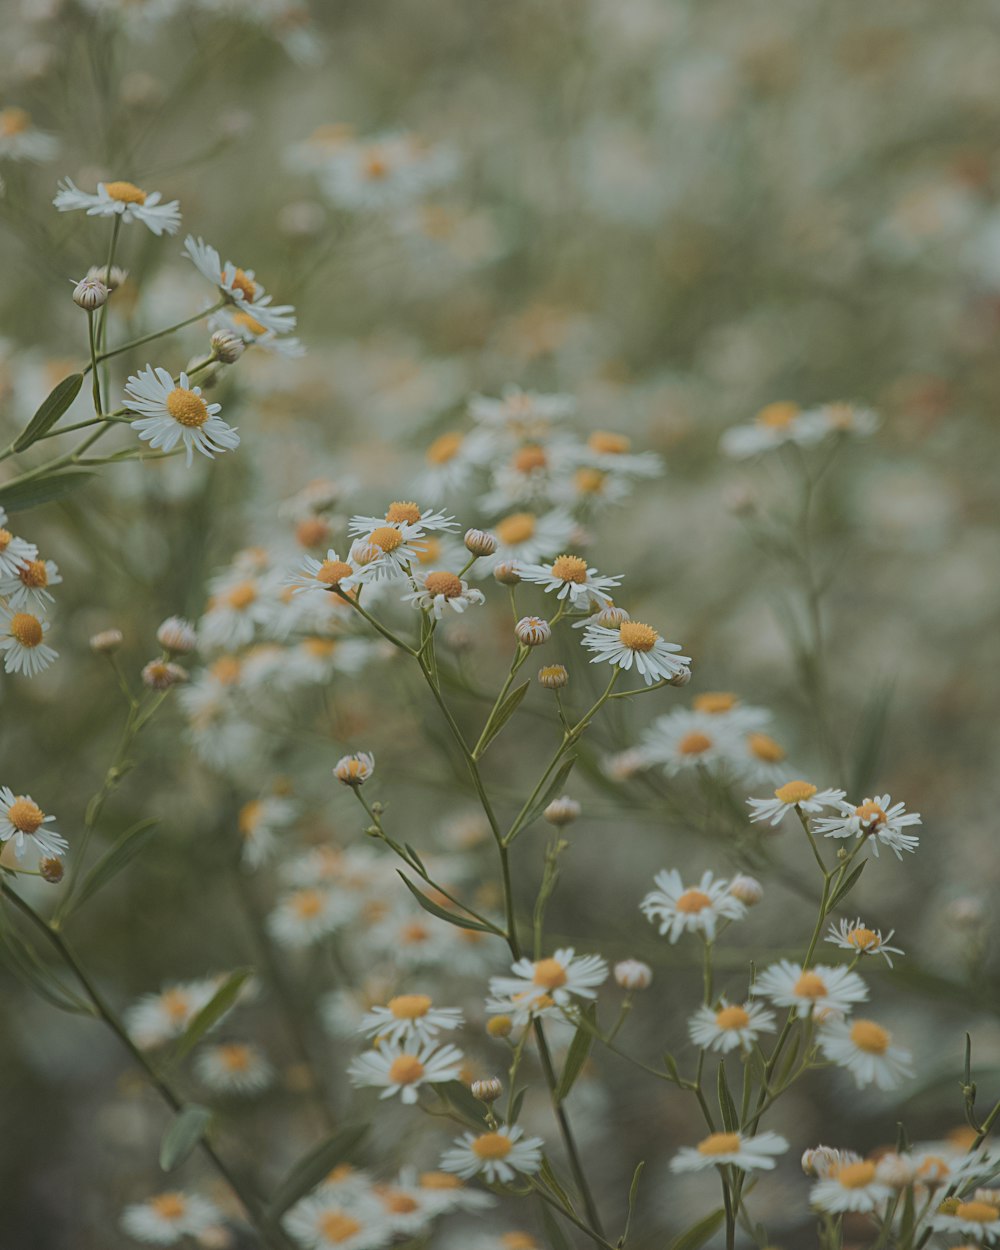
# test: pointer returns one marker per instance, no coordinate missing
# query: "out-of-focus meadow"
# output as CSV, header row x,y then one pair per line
x,y
676,213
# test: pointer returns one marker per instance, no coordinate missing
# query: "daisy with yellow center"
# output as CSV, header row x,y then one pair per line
x,y
307,915
749,1154
524,414
729,1027
497,1156
685,740
23,823
678,909
240,287
822,988
158,1018
865,1049
409,1018
354,770
15,552
22,642
124,200
330,573
793,794
170,413
233,1068
259,823
852,1185
975,1215
340,1217
842,418
403,1067
856,937
527,537
773,426
441,591
561,978
240,603
171,1217
21,140
636,644
570,578
878,819
406,514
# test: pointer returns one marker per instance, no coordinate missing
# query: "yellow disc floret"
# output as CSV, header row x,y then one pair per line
x,y
125,192
187,408
870,1037
637,637
549,974
720,1144
403,511
25,816
516,528
492,1146
731,1018
386,537
570,569
409,1006
447,584
26,629
691,902
405,1070
795,792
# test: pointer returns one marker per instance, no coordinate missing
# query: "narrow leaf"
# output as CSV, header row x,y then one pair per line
x,y
848,884
25,964
314,1166
115,859
213,1011
699,1233
22,495
460,1099
576,1057
184,1132
633,1194
551,1180
730,1116
452,917
50,410
503,714
515,1105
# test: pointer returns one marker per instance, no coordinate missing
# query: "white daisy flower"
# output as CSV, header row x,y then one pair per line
x,y
23,821
21,140
14,551
450,462
385,171
793,794
233,1068
259,822
973,1216
409,1018
855,936
404,512
354,1221
240,286
822,988
775,425
157,1018
879,819
526,538
121,199
305,916
22,641
170,1217
569,577
560,977
852,1186
523,1006
446,1192
27,588
440,591
354,770
684,739
239,320
866,1050
409,1210
841,418
749,1154
760,759
525,414
398,1068
609,452
496,1156
726,1027
386,552
635,643
172,413
679,909
238,604
322,574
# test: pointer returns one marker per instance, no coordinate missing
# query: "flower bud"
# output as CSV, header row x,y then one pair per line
x,y
680,679
90,293
177,636
161,675
500,1026
747,889
227,346
112,278
52,869
823,1161
480,542
611,617
107,641
553,676
562,811
354,770
506,573
532,631
633,974
487,1091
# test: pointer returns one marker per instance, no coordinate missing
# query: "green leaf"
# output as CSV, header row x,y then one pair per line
x,y
553,788
50,410
551,1180
184,1132
452,917
47,486
459,1098
869,738
314,1166
730,1116
847,885
554,1235
25,964
115,859
633,1193
699,1233
213,1011
576,1057
515,1105
502,715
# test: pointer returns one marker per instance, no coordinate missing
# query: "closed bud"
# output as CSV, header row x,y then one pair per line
x,y
227,347
162,674
824,1161
487,1091
553,676
633,974
532,631
107,641
177,636
747,889
562,811
500,1026
90,293
52,869
611,617
680,679
480,542
506,573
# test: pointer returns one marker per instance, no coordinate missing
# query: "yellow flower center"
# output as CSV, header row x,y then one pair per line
x,y
447,584
694,743
869,1037
570,569
732,1018
337,1226
403,510
409,1006
187,408
241,596
530,457
5,538
248,323
234,1057
518,1241
856,1175
720,1144
376,167
333,572
870,813
169,1206
311,532
516,528
444,448
637,637
226,670
492,1146
386,537
978,1212
864,939
809,985
244,283
25,816
439,1180
34,574
14,121
590,481
125,192
795,792
608,443
405,1070
714,701
414,933
763,747
777,416
693,901
549,974
26,629
307,904
176,1004
427,550
400,1204
246,821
